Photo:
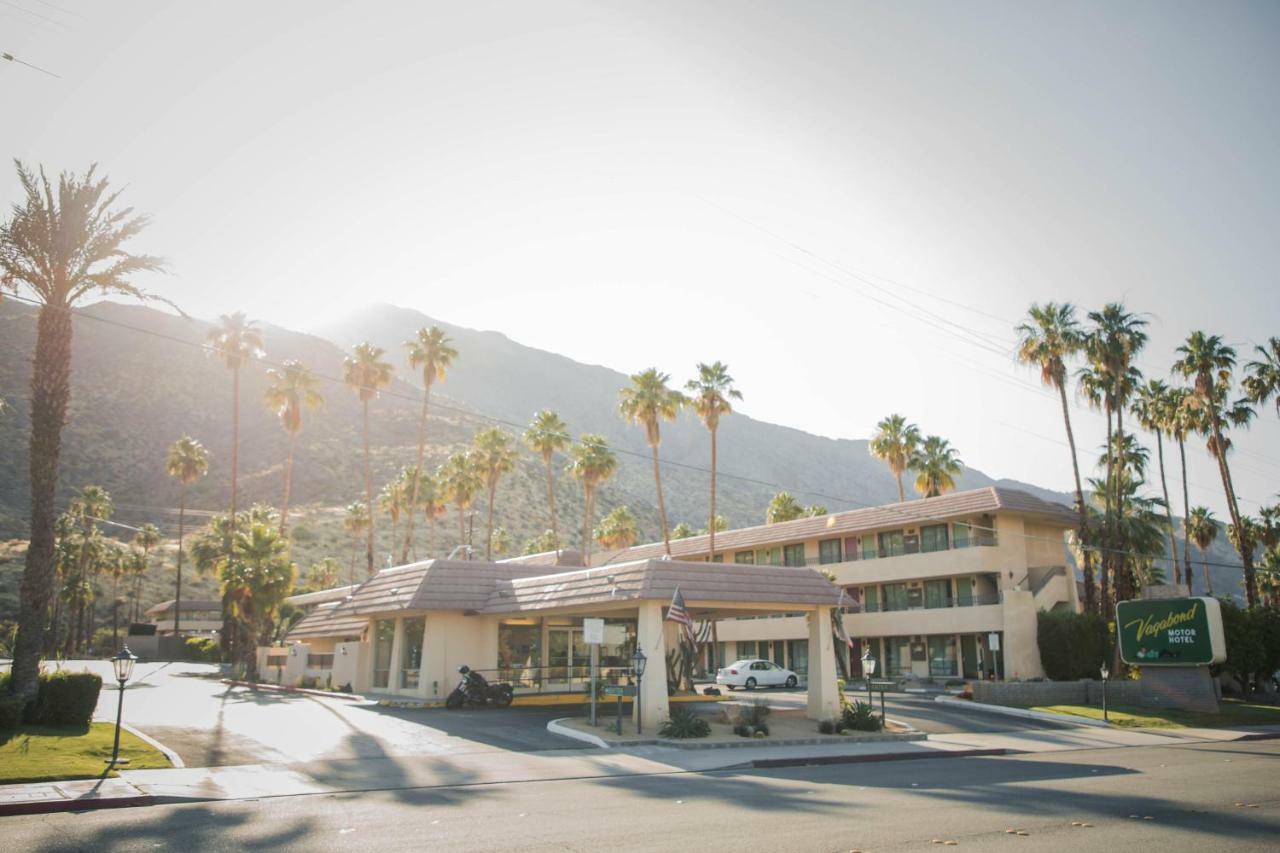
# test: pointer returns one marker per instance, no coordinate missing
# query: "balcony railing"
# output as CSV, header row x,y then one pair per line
x,y
975,540
970,601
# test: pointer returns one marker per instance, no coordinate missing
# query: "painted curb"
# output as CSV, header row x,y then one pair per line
x,y
556,728
51,806
174,758
763,763
1025,713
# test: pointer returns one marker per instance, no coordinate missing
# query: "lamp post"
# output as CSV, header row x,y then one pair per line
x,y
868,670
123,665
1105,673
638,661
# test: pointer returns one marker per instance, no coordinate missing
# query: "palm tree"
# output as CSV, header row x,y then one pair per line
x,y
618,529
1048,340
461,480
1201,528
710,394
433,505
236,339
495,455
147,537
547,435
137,570
355,522
647,401
1207,360
89,505
783,507
62,246
1179,422
366,372
393,500
894,443
431,351
592,462
1151,409
936,464
682,531
116,564
324,574
187,462
256,578
291,388
1263,381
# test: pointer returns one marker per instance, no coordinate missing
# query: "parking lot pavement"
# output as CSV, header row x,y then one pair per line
x,y
208,723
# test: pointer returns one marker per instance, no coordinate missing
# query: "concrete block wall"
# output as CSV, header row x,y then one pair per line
x,y
1025,694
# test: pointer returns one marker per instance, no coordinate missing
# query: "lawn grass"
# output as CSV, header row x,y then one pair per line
x,y
49,753
1234,713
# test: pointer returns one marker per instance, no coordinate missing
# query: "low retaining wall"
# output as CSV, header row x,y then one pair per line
x,y
1026,694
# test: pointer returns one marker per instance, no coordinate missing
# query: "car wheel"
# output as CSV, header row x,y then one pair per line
x,y
751,684
791,681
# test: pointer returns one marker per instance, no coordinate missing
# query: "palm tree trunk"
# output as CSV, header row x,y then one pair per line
x,y
1168,514
588,502
182,529
551,502
1186,512
1245,548
1204,565
488,532
235,443
462,530
368,494
711,527
1106,561
115,610
1121,587
288,483
662,507
409,544
50,391
431,533
902,495
1090,592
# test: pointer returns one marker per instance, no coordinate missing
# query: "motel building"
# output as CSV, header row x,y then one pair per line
x,y
945,587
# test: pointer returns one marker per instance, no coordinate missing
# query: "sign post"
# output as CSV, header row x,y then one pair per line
x,y
993,644
593,636
619,690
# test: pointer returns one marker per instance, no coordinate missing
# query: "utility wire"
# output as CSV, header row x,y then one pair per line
x,y
11,58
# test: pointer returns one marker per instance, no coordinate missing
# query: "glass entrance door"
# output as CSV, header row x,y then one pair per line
x,y
568,656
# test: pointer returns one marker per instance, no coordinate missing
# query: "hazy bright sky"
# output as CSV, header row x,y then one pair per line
x,y
807,191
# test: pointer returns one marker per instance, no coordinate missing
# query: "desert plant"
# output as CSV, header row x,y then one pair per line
x,y
827,727
683,723
861,717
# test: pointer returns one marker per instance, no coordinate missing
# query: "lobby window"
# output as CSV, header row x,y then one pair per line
x,y
384,634
895,596
746,650
746,558
793,555
519,655
942,655
411,654
892,543
829,551
933,538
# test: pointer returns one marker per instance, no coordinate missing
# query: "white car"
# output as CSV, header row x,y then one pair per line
x,y
756,673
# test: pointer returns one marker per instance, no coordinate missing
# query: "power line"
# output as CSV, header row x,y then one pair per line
x,y
11,58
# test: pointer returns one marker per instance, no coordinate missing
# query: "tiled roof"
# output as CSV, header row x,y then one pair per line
x,y
324,621
187,606
433,585
320,596
658,579
956,505
563,557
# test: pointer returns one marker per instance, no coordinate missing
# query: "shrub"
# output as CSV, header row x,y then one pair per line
x,y
1253,643
66,698
861,717
760,730
683,723
202,649
827,727
754,714
742,731
1072,645
10,712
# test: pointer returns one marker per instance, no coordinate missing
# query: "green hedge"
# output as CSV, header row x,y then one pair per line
x,y
1072,645
66,699
1253,643
203,649
10,713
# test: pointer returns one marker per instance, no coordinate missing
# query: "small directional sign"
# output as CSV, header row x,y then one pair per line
x,y
619,690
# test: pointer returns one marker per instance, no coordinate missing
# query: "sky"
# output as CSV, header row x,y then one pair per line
x,y
852,204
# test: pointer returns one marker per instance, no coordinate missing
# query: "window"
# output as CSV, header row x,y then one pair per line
x,y
942,655
933,538
718,558
829,551
798,654
744,557
793,555
895,596
964,592
892,543
746,649
411,652
869,551
769,557
872,594
937,594
384,634
851,547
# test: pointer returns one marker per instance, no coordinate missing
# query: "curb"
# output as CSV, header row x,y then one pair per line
x,y
764,763
51,806
1025,713
556,728
279,688
174,758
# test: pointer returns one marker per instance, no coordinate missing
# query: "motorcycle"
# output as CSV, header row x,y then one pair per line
x,y
476,691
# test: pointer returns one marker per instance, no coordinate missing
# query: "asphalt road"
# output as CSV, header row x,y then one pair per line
x,y
1170,798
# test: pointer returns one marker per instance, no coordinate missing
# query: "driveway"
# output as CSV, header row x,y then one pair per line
x,y
208,723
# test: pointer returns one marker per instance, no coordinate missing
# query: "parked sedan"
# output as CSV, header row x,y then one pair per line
x,y
756,673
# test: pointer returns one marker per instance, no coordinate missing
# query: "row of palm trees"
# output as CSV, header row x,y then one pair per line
x,y
901,446
1209,405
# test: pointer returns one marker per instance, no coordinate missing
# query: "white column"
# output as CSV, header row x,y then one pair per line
x,y
397,643
824,697
652,701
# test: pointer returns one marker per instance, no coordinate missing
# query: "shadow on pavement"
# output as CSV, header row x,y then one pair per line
x,y
194,827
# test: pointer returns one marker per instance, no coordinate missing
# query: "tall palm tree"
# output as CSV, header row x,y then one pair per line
x,y
1209,362
495,455
430,351
324,574
366,372
1151,409
394,499
187,462
894,443
290,389
461,480
1202,529
617,530
236,340
783,507
355,521
147,537
709,395
1052,336
61,246
591,462
1179,422
936,464
432,503
256,578
547,435
646,402
90,505
1263,380
137,571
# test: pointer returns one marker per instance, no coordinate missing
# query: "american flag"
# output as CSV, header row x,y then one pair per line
x,y
837,622
677,612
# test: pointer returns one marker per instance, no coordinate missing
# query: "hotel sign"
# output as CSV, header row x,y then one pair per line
x,y
1171,632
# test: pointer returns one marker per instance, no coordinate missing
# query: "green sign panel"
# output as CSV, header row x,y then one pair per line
x,y
619,690
1171,632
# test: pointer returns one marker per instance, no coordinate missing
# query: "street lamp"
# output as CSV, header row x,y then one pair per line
x,y
1105,672
638,661
123,665
868,670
